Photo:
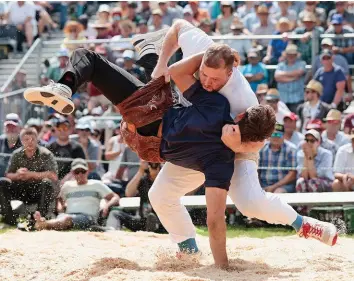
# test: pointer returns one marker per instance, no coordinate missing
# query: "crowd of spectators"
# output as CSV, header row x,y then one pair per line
x,y
310,96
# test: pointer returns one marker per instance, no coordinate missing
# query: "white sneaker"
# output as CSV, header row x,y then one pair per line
x,y
323,231
149,43
54,95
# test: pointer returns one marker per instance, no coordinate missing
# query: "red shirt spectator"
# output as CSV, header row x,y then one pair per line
x,y
349,124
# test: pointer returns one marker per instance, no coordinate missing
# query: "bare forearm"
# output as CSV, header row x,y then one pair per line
x,y
114,201
110,155
170,43
339,176
312,169
349,84
305,172
12,176
43,175
338,97
132,187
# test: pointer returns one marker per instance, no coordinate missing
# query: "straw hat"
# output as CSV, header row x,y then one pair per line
x,y
315,86
262,89
272,94
71,25
283,20
333,114
309,17
262,9
291,49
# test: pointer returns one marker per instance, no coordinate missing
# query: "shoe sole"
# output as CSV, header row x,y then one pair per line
x,y
138,40
39,96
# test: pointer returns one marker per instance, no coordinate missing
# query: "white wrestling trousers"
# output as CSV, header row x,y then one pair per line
x,y
173,182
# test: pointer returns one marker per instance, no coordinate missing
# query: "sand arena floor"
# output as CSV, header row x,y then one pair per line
x,y
123,256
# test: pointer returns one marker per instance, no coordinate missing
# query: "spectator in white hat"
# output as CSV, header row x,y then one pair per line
x,y
130,66
157,23
314,165
10,141
332,132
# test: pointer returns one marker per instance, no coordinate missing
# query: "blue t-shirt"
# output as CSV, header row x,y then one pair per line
x,y
329,81
278,46
191,136
254,69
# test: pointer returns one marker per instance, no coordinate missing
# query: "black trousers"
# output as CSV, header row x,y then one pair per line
x,y
40,193
114,82
117,219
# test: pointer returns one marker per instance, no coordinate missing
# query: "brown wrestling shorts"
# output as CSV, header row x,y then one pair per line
x,y
146,105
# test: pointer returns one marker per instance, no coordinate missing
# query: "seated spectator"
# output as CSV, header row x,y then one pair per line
x,y
349,124
272,99
142,27
157,23
130,66
114,153
286,12
89,32
290,75
265,26
127,29
175,5
250,20
332,132
276,47
72,31
102,30
332,78
277,153
79,202
343,168
103,14
3,11
139,185
125,172
63,147
313,108
188,16
23,15
90,147
10,141
308,28
341,8
342,46
55,71
290,133
198,13
169,13
145,11
261,92
207,26
224,21
132,14
314,165
20,80
319,13
30,176
241,46
255,72
116,15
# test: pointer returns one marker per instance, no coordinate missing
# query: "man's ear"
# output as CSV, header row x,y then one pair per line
x,y
237,59
239,117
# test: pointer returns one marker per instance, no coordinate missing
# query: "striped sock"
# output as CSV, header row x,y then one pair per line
x,y
297,223
188,246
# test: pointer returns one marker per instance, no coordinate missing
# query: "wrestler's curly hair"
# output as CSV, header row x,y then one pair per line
x,y
257,124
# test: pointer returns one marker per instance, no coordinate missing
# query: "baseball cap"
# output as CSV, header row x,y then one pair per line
x,y
327,41
291,49
314,133
337,19
314,124
333,114
252,54
13,119
315,86
187,10
272,94
292,116
83,123
63,53
309,17
61,120
278,131
262,89
283,20
79,163
128,54
326,53
103,8
157,12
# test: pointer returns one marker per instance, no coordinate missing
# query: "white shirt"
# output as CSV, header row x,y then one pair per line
x,y
18,15
84,199
237,89
344,161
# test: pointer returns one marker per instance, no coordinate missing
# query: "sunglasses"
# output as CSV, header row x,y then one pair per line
x,y
277,135
84,130
62,128
272,101
80,171
310,92
310,140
